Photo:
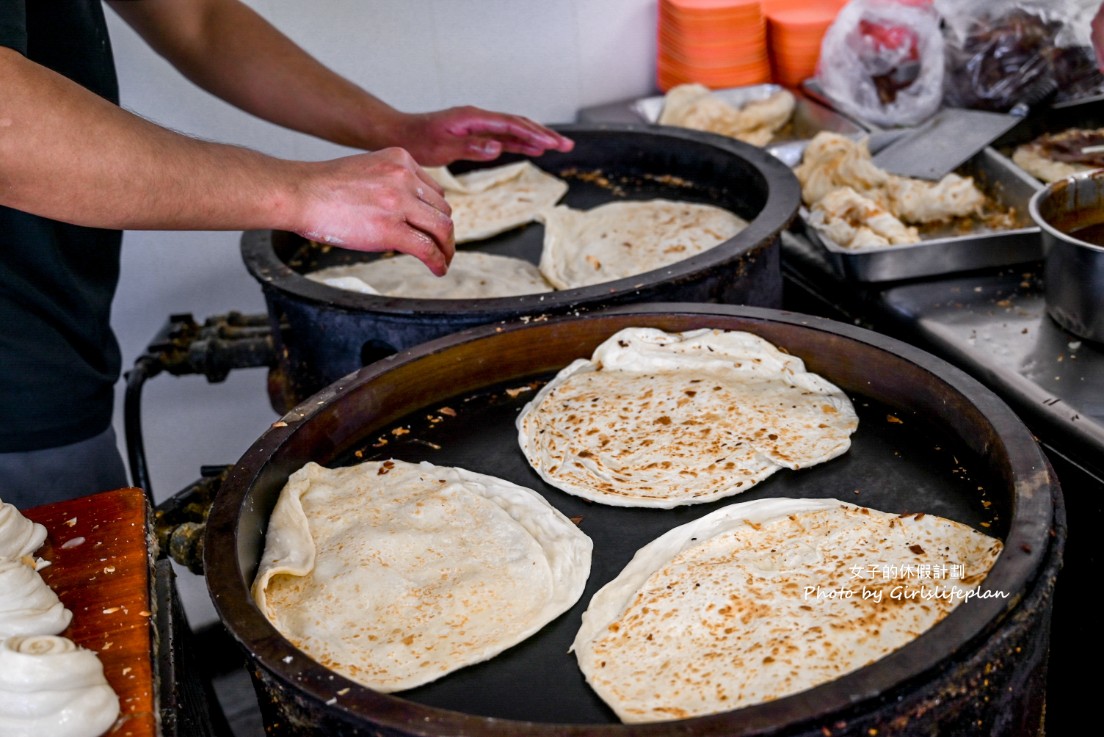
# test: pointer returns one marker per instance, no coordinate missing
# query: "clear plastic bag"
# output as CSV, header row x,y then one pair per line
x,y
1008,54
881,61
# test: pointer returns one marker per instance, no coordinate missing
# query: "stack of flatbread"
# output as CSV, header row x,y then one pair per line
x,y
395,574
698,107
763,599
858,205
657,419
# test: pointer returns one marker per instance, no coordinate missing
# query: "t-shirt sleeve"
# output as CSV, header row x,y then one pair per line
x,y
13,25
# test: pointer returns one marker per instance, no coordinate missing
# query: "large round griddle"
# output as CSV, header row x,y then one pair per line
x,y
325,333
930,440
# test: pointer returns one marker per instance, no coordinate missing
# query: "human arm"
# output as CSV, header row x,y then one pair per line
x,y
231,51
1096,33
67,154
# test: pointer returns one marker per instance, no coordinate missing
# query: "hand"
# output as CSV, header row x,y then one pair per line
x,y
380,201
1097,36
439,138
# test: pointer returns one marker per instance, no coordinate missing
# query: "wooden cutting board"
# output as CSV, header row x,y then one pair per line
x,y
99,550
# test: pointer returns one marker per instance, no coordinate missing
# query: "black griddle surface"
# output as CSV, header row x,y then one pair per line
x,y
896,464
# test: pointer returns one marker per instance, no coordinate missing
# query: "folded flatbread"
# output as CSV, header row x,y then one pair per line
x,y
395,573
472,275
698,107
763,599
851,220
656,419
832,163
626,238
486,202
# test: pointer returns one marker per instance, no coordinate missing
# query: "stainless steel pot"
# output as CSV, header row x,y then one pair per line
x,y
1070,214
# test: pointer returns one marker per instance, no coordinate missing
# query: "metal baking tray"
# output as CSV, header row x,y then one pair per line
x,y
809,117
942,250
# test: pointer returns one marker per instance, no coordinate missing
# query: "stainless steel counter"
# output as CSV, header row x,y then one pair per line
x,y
993,325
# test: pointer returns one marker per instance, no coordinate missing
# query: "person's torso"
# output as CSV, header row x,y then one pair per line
x,y
59,360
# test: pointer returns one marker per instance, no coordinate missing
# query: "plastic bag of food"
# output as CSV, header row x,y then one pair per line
x,y
1004,54
881,61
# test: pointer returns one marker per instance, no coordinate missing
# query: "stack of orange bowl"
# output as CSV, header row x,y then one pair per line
x,y
795,29
717,43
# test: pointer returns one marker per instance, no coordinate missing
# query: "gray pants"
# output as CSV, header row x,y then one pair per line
x,y
36,477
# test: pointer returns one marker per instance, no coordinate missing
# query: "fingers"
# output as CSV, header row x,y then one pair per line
x,y
429,191
429,238
434,185
511,133
381,201
433,218
424,227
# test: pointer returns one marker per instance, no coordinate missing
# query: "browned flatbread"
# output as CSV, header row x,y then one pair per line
x,y
625,238
1055,156
763,599
657,419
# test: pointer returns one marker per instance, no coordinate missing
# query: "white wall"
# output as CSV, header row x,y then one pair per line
x,y
541,59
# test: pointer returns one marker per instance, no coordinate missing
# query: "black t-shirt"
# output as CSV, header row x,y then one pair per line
x,y
59,359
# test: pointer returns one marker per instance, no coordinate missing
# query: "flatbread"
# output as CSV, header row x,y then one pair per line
x,y
750,603
626,238
395,573
832,162
697,107
656,419
486,202
1034,161
472,275
851,220
1054,156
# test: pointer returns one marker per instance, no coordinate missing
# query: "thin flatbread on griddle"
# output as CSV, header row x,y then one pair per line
x,y
472,275
750,603
626,238
656,419
395,573
486,202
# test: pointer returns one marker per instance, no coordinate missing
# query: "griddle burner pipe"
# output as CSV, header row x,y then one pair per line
x,y
181,347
